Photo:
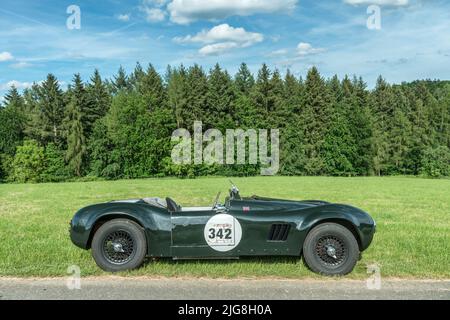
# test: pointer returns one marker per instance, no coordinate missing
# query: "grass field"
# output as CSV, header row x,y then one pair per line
x,y
412,214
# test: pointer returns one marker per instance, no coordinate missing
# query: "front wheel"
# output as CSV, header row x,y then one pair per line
x,y
330,249
119,245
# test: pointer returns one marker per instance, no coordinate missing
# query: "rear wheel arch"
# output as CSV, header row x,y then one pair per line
x,y
108,217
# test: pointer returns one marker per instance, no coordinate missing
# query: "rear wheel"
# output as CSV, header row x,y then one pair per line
x,y
330,249
118,245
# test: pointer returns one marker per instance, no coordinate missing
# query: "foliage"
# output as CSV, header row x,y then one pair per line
x,y
436,162
121,127
29,162
55,166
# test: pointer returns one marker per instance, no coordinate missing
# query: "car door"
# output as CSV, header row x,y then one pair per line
x,y
204,232
188,231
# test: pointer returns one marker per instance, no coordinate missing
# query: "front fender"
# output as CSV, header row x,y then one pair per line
x,y
362,223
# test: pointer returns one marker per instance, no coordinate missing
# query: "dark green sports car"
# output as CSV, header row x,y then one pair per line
x,y
329,236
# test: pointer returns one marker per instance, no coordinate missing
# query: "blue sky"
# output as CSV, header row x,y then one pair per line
x,y
413,42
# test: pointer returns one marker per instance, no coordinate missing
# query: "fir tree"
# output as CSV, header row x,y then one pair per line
x,y
177,92
220,99
48,122
12,120
13,99
120,82
244,80
315,116
99,97
151,86
77,122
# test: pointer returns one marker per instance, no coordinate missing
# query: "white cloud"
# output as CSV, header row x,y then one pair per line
x,y
218,48
153,10
124,17
21,65
154,14
222,38
17,84
306,49
379,2
6,56
223,32
302,51
186,11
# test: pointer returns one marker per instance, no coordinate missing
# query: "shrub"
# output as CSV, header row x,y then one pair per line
x,y
29,162
6,162
436,162
55,167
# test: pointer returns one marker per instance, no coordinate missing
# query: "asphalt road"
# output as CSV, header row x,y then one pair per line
x,y
177,289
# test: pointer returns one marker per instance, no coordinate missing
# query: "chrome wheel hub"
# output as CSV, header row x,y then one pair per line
x,y
331,251
117,247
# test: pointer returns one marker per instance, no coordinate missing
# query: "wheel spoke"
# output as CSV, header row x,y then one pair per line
x,y
118,247
331,250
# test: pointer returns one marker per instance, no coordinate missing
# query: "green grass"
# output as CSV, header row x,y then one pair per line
x,y
413,217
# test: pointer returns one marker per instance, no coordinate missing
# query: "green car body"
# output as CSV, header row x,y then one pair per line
x,y
268,227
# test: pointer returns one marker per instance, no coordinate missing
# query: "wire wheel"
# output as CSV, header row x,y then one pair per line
x,y
331,250
118,247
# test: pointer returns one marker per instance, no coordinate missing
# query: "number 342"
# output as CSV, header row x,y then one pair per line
x,y
220,233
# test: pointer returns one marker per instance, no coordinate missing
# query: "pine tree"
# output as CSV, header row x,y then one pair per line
x,y
244,80
151,86
177,92
136,77
422,137
77,121
12,120
292,161
262,89
47,125
276,101
262,98
220,99
399,142
98,96
120,82
13,99
339,145
196,108
443,116
382,104
360,121
315,116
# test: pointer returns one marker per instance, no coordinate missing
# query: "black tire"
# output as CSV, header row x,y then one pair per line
x,y
330,249
119,245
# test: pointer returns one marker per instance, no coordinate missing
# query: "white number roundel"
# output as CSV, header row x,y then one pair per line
x,y
223,232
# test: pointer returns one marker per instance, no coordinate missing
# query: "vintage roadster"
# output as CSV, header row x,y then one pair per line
x,y
121,234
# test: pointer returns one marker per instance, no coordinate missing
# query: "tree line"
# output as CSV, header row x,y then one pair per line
x,y
121,127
